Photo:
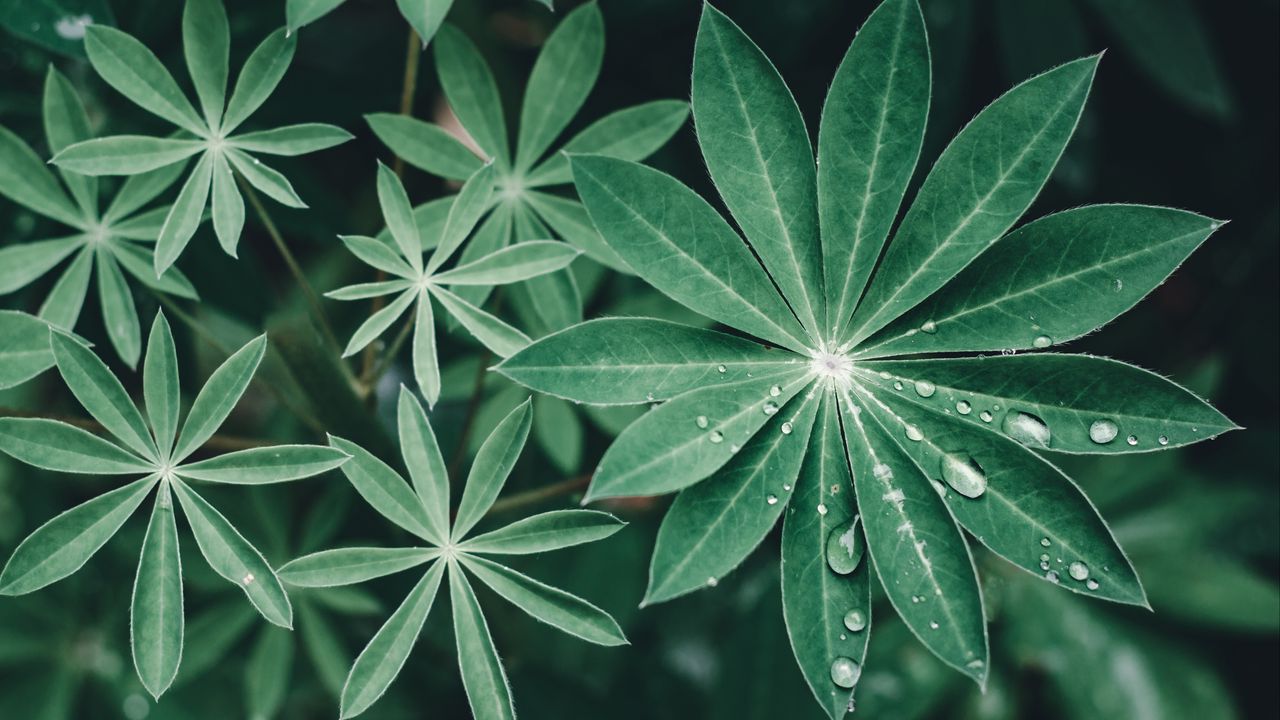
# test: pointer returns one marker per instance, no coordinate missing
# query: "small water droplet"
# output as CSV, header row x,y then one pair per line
x,y
1117,285
701,421
770,407
775,391
914,434
938,487
917,599
733,449
933,625
929,327
787,427
845,548
721,369
1026,429
1132,439
787,488
885,374
1163,439
1042,341
1044,564
855,620
845,672
925,389
897,385
712,582
963,475
986,416
822,509
1091,584
1052,576
1044,542
247,579
964,408
715,436
1103,431
771,499
1078,571
1044,557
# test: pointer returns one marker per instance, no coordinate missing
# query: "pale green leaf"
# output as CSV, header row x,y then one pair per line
x,y
346,566
156,611
161,393
425,16
364,291
511,264
133,70
632,133
185,215
305,12
125,154
255,466
25,179
424,145
377,323
259,77
398,214
426,364
24,348
119,314
140,264
378,254
471,91
206,44
219,395
228,206
101,394
267,179
20,265
384,489
562,76
138,190
546,531
55,445
489,472
493,333
61,307
570,222
426,464
291,140
465,212
67,123
483,676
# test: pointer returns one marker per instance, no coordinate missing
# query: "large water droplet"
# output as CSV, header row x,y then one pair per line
x,y
845,672
701,421
963,475
787,427
1078,571
914,434
770,407
925,389
845,548
963,407
1026,429
771,499
929,327
716,436
855,620
775,391
1103,431
986,416
1042,341
1091,584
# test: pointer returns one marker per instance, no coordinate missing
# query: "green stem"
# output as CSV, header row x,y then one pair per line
x,y
539,495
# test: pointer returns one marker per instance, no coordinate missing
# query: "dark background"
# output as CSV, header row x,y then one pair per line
x,y
1211,326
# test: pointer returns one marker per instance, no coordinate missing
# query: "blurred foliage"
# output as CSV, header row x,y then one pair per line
x,y
1184,114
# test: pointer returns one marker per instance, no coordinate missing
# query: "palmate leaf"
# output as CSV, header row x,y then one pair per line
x,y
904,453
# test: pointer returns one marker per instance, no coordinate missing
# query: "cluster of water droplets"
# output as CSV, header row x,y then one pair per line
x,y
1077,570
845,550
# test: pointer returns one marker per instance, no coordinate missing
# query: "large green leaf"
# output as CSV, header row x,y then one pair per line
x,y
61,307
1065,403
982,183
921,558
472,93
827,607
20,265
161,393
185,215
26,180
424,145
467,208
125,154
65,123
384,489
674,240
493,464
292,140
101,394
757,150
547,531
483,676
345,566
424,15
259,77
1050,281
632,133
552,606
156,613
493,333
206,42
272,464
55,445
425,463
24,348
562,76
398,214
133,70
872,128
219,396
119,314
712,526
636,360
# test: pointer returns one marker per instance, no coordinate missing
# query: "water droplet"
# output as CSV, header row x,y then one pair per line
x,y
247,579
975,664
1078,571
701,421
1044,564
716,436
1132,439
733,449
1163,439
1026,429
721,369
855,620
917,599
964,408
963,475
938,487
1044,542
1117,285
1044,557
845,548
1051,576
933,625
882,472
925,389
845,672
775,391
897,385
885,374
1103,431
787,427
914,434
929,326
712,582
772,499
787,488
1092,584
770,407
822,509
986,416
1042,341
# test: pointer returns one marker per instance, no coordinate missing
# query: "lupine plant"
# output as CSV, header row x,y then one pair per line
x,y
816,421
425,16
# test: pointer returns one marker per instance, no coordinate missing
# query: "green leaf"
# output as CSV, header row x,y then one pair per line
x,y
305,12
424,145
219,395
558,431
675,241
378,254
185,215
426,365
828,614
267,671
982,183
156,612
632,133
483,676
325,648
55,445
347,566
425,16
546,531
493,333
1028,510
398,213
562,76
140,264
266,179
228,206
384,489
1050,281
471,91
426,465
512,264
668,448
377,323
67,123
133,70
61,307
1059,402
491,467
161,393
570,222
757,151
21,265
101,393
471,203
712,527
259,77
232,557
206,43
636,360
125,154
552,606
273,464
119,314
26,180
24,348
872,128
292,140
1221,593
64,544
138,190
494,233
381,660
921,558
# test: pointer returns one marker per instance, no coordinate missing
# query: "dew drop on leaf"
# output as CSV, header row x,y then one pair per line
x,y
822,509
1042,341
787,427
929,327
1132,439
721,369
712,582
963,475
770,407
964,408
986,416
855,620
1103,431
1163,439
897,385
701,421
1078,571
914,434
845,548
925,389
845,672
716,437
1044,542
1092,584
775,391
938,487
1026,429
1052,576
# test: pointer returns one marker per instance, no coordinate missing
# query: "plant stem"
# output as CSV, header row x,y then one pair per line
x,y
313,299
216,442
539,495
